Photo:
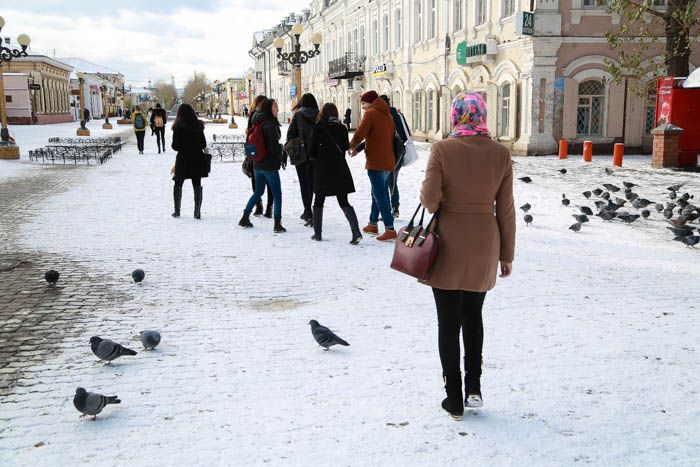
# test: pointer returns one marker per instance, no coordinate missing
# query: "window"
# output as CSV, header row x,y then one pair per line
x,y
373,49
589,115
590,3
418,26
650,110
385,28
432,19
458,20
8,99
480,11
659,3
356,47
349,43
504,124
430,105
417,110
508,8
362,41
397,28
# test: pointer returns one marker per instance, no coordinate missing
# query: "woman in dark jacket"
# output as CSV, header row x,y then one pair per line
x,y
348,119
266,171
306,112
189,142
258,206
332,177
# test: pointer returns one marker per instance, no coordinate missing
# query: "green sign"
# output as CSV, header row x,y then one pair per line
x,y
462,53
475,50
525,23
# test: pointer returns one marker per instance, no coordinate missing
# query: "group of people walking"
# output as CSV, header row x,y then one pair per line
x,y
468,183
155,119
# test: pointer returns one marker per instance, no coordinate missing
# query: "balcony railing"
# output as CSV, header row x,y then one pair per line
x,y
283,68
347,67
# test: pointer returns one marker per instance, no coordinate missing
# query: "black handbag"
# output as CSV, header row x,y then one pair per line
x,y
295,147
399,147
206,165
248,167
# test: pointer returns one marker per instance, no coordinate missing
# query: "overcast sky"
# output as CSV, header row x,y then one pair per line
x,y
148,39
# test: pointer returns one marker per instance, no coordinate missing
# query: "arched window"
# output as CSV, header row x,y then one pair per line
x,y
432,18
504,123
418,26
481,11
396,99
589,114
417,110
429,108
385,30
397,30
650,109
349,43
363,50
458,20
356,47
373,38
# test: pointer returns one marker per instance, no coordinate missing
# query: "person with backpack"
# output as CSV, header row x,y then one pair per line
x,y
264,135
189,142
404,132
377,131
248,165
158,119
327,146
305,115
139,122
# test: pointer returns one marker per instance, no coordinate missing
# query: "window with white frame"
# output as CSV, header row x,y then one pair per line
x,y
589,114
508,8
417,110
418,26
397,28
504,123
356,47
385,32
590,3
432,18
481,11
458,20
363,49
373,39
349,42
429,108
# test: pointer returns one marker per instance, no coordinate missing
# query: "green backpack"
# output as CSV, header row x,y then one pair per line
x,y
139,122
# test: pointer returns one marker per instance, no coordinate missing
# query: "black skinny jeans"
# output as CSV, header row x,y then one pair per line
x,y
342,201
160,136
458,309
305,172
195,182
140,135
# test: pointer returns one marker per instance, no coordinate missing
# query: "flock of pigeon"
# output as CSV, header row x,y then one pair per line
x,y
91,403
679,211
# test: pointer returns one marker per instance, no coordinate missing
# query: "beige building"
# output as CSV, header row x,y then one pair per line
x,y
539,88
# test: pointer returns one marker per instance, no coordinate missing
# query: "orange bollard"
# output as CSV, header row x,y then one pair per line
x,y
587,151
618,152
563,149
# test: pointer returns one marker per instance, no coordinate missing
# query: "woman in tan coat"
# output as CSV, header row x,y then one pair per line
x,y
469,180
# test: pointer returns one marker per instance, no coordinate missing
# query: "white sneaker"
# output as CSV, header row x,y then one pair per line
x,y
473,400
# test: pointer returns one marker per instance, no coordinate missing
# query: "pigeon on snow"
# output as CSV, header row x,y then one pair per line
x,y
525,179
586,210
689,240
51,276
526,207
611,187
587,194
108,350
324,336
150,339
564,200
91,403
562,171
580,218
575,227
528,219
138,275
645,213
597,191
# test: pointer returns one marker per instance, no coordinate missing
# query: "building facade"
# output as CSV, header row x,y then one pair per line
x,y
539,88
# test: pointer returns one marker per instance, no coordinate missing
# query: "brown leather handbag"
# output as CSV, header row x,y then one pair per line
x,y
416,247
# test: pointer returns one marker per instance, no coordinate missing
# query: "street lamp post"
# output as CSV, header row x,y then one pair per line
x,y
249,78
233,124
106,125
8,149
82,130
298,57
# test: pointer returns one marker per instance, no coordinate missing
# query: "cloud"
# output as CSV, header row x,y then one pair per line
x,y
149,40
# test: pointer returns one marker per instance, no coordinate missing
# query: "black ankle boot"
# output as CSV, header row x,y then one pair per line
x,y
318,224
245,220
354,226
177,199
453,403
258,209
197,202
278,226
268,211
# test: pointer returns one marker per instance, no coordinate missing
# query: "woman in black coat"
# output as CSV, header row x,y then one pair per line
x,y
348,119
332,177
189,142
303,121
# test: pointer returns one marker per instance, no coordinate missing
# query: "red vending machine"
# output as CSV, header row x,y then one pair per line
x,y
680,106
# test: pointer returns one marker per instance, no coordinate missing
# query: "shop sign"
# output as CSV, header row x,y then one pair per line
x,y
476,53
35,87
525,23
293,90
462,53
383,70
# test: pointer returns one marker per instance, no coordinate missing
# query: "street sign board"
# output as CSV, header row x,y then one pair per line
x,y
293,90
35,87
525,23
462,53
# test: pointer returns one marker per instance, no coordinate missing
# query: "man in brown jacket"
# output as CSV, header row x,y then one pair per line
x,y
377,130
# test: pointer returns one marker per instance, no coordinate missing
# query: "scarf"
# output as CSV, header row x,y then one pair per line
x,y
468,115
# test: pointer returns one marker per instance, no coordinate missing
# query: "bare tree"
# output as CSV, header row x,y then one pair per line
x,y
166,93
196,84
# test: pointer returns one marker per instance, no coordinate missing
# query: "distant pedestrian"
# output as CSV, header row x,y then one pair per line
x,y
86,115
139,122
466,175
303,121
377,131
119,112
327,146
347,120
189,142
258,206
404,132
245,111
158,119
267,170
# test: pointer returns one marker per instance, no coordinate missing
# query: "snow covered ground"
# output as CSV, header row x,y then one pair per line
x,y
591,350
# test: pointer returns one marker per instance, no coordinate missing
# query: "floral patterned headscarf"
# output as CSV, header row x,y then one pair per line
x,y
469,115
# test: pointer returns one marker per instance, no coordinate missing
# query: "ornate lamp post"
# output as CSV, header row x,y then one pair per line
x,y
230,100
249,77
82,131
298,57
8,149
106,125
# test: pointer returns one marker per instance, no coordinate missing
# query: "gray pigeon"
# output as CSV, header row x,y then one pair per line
x,y
607,215
562,171
631,196
575,227
684,231
668,213
525,179
138,275
564,200
91,403
597,191
108,350
689,240
645,213
659,207
587,194
150,339
628,218
526,207
51,276
641,203
675,187
580,218
528,219
672,195
611,187
605,195
629,185
324,336
586,210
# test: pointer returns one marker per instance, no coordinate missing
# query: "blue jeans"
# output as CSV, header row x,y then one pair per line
x,y
380,179
269,178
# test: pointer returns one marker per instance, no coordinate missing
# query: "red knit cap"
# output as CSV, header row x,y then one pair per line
x,y
369,97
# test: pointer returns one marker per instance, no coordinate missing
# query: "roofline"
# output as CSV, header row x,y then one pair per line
x,y
44,59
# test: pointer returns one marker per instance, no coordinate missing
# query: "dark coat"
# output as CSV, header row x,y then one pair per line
x,y
189,143
306,116
272,135
157,112
332,175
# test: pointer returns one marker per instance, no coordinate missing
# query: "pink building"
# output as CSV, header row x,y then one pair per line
x,y
17,101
